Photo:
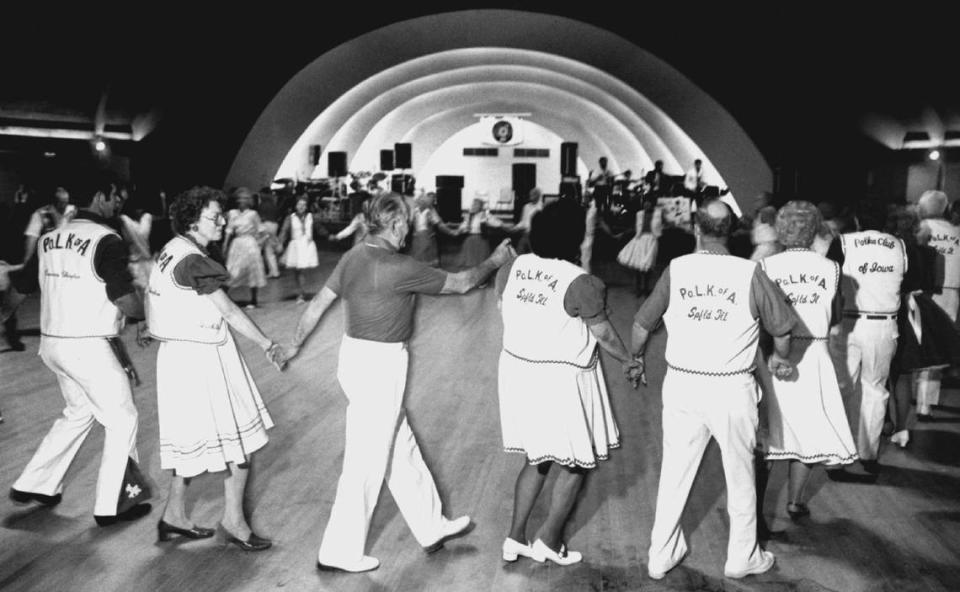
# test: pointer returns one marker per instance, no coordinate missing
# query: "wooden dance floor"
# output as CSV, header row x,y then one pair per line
x,y
902,533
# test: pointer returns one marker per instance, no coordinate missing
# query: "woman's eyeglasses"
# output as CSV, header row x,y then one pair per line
x,y
214,219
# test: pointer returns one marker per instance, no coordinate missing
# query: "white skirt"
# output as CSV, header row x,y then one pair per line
x,y
208,406
245,262
301,254
556,412
640,253
805,418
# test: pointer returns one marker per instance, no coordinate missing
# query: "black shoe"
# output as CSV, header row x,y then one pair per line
x,y
797,511
134,513
871,466
253,542
25,497
166,531
843,476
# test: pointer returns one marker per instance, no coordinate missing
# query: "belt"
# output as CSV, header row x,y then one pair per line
x,y
594,358
852,314
710,372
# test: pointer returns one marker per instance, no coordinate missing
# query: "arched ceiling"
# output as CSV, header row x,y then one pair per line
x,y
582,82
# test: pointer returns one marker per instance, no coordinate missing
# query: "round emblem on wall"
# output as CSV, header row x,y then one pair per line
x,y
502,132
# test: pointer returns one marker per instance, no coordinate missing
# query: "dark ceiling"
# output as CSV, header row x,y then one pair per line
x,y
802,80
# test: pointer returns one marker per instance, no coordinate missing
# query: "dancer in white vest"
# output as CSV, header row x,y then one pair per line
x,y
873,264
379,286
710,302
554,406
945,238
86,289
210,413
805,420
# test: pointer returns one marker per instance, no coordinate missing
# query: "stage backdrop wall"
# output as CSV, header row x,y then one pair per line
x,y
490,177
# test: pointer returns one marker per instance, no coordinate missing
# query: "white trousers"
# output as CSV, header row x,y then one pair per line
x,y
694,409
862,352
928,381
268,247
379,443
94,387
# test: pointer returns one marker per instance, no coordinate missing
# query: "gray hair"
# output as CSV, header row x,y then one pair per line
x,y
932,204
385,209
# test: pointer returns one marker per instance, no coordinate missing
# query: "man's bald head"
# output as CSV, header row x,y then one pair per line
x,y
714,219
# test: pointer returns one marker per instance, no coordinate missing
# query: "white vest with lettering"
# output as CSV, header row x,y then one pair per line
x,y
176,312
535,324
73,298
711,329
945,238
873,266
810,281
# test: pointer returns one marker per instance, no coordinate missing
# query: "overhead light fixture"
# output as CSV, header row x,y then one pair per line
x,y
934,155
100,145
62,134
918,140
951,138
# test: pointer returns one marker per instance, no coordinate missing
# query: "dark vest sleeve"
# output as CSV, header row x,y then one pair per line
x,y
110,263
202,274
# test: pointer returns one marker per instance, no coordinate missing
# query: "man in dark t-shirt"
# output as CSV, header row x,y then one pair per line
x,y
379,286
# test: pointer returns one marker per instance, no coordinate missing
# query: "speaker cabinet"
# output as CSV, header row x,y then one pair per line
x,y
568,159
448,204
403,156
403,184
451,181
386,160
315,154
336,164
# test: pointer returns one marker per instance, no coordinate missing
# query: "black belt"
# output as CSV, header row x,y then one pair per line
x,y
870,316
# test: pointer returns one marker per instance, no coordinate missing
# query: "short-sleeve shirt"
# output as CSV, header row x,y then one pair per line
x,y
201,273
586,297
379,286
767,303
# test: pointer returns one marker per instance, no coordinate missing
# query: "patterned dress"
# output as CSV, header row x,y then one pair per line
x,y
244,261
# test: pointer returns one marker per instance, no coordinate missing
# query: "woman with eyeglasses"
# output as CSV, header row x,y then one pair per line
x,y
210,412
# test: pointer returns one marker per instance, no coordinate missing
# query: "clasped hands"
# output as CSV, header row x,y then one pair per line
x,y
635,371
780,367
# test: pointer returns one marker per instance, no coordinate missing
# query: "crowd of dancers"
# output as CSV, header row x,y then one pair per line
x,y
786,355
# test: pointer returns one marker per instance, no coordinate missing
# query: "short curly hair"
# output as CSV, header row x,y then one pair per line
x,y
797,224
186,207
557,231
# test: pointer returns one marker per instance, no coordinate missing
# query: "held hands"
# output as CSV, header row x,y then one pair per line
x,y
503,253
635,371
780,367
277,356
143,334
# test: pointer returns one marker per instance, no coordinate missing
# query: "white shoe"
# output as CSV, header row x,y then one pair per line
x,y
660,574
766,562
541,552
366,563
901,438
452,529
512,549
